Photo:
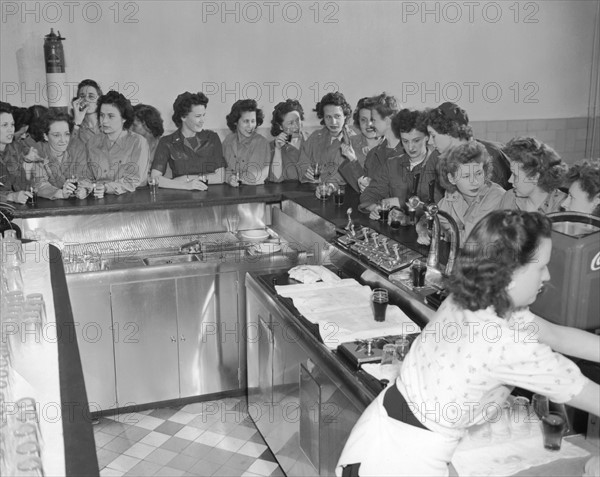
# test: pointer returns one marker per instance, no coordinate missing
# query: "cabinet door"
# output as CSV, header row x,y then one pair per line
x,y
146,345
90,302
209,333
259,349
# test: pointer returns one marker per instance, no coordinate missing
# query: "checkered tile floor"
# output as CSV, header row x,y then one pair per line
x,y
202,439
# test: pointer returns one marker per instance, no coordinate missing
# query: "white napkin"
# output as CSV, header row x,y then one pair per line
x,y
507,457
343,311
313,274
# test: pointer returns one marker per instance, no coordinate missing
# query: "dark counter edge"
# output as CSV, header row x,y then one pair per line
x,y
217,194
79,443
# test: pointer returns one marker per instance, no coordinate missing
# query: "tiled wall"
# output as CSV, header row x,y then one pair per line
x,y
567,136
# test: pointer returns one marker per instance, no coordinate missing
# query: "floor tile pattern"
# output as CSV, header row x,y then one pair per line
x,y
215,438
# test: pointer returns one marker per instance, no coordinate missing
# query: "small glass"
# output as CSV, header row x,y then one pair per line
x,y
541,405
153,185
388,354
380,300
34,195
384,211
323,191
340,194
418,270
553,428
520,416
317,171
75,182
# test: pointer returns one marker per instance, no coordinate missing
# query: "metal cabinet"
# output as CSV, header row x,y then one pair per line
x,y
306,415
207,321
181,337
146,350
90,303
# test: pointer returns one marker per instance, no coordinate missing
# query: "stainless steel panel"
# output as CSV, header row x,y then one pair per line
x,y
90,302
146,348
310,417
170,259
207,314
124,225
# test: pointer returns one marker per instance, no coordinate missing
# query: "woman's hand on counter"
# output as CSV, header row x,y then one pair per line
x,y
196,183
233,180
19,197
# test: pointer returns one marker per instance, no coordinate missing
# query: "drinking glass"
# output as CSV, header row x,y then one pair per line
x,y
384,211
541,405
340,194
418,269
380,301
317,171
553,427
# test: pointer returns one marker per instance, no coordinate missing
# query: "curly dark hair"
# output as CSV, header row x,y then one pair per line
x,y
281,109
243,106
22,116
537,158
5,107
386,105
55,117
183,105
467,153
150,117
500,243
363,103
406,120
88,82
37,121
450,119
587,174
120,102
333,99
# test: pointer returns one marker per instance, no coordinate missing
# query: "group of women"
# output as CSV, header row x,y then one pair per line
x,y
394,157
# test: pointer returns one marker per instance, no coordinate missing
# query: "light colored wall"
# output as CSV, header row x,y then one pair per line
x,y
536,56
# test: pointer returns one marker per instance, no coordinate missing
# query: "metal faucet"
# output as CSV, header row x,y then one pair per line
x,y
433,212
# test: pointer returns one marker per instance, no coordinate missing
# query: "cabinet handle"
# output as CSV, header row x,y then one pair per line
x,y
173,339
182,338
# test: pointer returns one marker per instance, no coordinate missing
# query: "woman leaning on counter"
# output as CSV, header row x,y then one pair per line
x,y
464,172
194,154
117,159
61,167
286,128
247,153
453,375
537,173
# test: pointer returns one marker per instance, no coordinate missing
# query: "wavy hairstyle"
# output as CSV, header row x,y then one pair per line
x,y
37,121
243,106
450,119
333,99
502,242
120,102
281,109
150,117
55,117
587,174
406,120
363,103
183,104
537,158
386,105
467,153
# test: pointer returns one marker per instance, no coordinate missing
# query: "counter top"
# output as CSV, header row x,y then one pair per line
x,y
217,194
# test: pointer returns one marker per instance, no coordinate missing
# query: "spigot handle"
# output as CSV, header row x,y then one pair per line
x,y
395,248
374,236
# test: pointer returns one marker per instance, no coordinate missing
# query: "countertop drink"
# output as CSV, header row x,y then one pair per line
x,y
553,426
340,194
380,303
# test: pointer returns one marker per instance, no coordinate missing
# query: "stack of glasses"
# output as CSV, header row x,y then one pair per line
x,y
22,322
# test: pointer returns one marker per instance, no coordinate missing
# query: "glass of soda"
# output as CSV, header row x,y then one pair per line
x,y
340,194
380,302
553,427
